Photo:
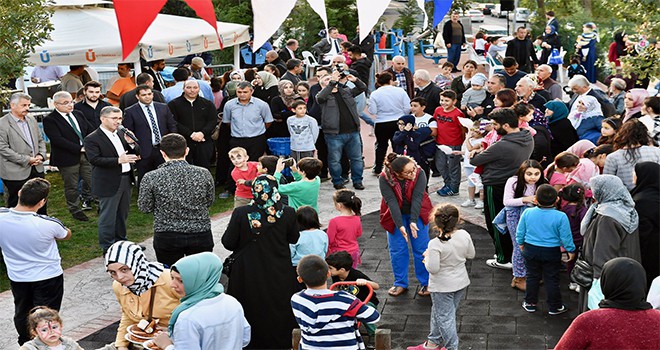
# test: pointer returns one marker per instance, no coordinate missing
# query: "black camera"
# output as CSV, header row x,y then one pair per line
x,y
288,162
343,73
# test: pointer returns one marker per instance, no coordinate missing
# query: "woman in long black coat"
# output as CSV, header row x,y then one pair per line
x,y
646,195
550,41
262,279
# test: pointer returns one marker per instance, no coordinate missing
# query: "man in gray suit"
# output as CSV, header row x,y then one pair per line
x,y
22,148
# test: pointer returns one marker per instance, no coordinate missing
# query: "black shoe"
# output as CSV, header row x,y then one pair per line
x,y
87,205
80,216
339,186
435,174
376,171
358,186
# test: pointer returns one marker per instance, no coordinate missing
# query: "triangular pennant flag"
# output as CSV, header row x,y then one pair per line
x,y
420,4
369,11
133,23
204,10
440,9
268,17
319,7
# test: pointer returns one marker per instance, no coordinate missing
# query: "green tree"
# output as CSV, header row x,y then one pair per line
x,y
25,25
407,17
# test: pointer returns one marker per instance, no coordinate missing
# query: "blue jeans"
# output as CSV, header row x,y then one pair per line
x,y
399,253
351,144
443,318
449,166
543,262
454,54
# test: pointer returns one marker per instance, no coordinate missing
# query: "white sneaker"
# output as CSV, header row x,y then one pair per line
x,y
494,263
468,203
573,286
479,204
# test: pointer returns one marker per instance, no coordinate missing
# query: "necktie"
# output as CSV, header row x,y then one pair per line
x,y
336,46
154,125
75,128
161,82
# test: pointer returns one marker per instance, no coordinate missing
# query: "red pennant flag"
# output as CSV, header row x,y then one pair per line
x,y
204,10
134,18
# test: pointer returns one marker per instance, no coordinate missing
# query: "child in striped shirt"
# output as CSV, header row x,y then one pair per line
x,y
321,329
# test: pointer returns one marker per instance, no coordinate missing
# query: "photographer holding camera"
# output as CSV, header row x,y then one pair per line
x,y
341,126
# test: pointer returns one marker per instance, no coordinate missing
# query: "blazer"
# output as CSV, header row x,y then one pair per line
x,y
64,145
153,73
324,46
15,151
106,170
136,121
128,99
284,54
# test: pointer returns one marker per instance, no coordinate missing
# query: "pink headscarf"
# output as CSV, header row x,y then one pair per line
x,y
638,96
580,147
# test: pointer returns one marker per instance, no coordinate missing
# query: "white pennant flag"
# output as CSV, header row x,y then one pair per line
x,y
268,17
319,7
420,4
369,11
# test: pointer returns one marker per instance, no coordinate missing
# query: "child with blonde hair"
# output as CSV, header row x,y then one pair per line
x,y
45,325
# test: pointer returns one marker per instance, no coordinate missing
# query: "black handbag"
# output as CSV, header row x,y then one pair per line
x,y
583,273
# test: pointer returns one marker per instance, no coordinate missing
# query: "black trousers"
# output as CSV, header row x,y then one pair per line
x,y
13,186
200,153
172,246
27,295
494,197
384,133
147,164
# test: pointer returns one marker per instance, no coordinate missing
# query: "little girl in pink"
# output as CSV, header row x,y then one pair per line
x,y
344,230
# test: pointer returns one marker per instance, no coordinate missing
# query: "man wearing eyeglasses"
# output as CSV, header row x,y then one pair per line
x,y
66,130
22,148
112,155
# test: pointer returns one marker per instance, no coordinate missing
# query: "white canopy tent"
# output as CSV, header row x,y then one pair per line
x,y
87,34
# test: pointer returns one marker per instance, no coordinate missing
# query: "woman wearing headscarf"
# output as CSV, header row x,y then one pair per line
x,y
206,318
563,133
404,214
265,86
624,321
617,95
617,49
587,118
634,101
586,168
280,107
262,279
646,195
609,228
135,280
631,146
550,41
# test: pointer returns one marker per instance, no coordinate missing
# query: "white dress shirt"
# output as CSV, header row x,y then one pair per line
x,y
119,147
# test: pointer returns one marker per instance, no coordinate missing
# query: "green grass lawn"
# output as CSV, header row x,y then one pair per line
x,y
83,245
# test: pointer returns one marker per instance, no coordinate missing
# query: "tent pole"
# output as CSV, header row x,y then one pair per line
x,y
237,56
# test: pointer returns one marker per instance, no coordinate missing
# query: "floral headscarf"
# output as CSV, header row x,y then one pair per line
x,y
266,205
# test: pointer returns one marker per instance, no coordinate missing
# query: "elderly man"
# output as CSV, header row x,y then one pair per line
x,y
22,148
495,83
427,89
525,91
402,75
329,47
197,67
196,118
581,86
522,49
112,155
289,50
66,130
543,72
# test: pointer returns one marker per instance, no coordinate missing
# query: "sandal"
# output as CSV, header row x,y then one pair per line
x,y
395,291
424,291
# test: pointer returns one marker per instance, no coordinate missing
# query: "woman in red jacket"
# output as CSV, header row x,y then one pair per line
x,y
404,214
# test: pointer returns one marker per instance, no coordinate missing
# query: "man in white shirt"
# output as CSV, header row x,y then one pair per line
x,y
328,47
29,248
112,175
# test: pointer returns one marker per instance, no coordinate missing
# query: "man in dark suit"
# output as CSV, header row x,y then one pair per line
x,y
289,51
329,47
154,68
130,98
149,121
111,154
66,130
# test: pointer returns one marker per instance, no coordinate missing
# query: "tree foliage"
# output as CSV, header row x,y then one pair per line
x,y
25,24
407,17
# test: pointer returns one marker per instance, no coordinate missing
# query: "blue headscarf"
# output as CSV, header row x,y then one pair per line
x,y
553,30
559,109
200,274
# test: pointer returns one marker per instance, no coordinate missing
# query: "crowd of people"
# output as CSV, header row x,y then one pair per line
x,y
561,184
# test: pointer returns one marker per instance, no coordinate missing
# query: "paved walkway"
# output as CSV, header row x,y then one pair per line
x,y
490,317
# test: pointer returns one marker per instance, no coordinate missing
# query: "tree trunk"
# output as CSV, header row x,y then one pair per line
x,y
587,6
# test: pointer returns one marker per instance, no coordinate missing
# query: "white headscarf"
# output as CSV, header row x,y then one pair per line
x,y
613,200
593,109
130,254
